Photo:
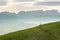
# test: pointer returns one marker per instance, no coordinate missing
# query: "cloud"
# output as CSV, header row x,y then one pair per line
x,y
51,3
22,0
52,0
28,5
3,2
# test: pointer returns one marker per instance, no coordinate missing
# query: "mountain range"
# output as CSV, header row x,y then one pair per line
x,y
30,14
26,19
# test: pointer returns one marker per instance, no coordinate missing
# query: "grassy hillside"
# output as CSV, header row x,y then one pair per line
x,y
49,31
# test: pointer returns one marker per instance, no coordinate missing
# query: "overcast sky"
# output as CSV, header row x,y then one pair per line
x,y
17,5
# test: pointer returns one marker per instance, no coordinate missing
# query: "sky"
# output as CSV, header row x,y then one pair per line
x,y
29,5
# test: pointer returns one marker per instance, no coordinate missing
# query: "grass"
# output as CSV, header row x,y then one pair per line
x,y
50,31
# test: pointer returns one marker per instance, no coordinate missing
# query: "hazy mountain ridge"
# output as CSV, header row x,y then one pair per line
x,y
30,14
27,19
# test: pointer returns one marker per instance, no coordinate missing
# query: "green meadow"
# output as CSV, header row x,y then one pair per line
x,y
50,31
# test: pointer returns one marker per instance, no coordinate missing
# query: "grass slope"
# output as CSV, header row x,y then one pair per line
x,y
49,31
